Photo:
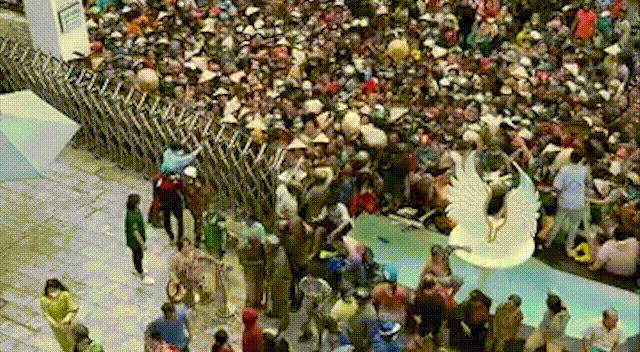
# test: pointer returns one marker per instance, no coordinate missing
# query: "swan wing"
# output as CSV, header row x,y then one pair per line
x,y
521,212
468,198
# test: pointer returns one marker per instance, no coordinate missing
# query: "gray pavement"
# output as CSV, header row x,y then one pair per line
x,y
69,225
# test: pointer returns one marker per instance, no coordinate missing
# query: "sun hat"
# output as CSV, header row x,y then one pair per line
x,y
191,171
175,290
296,144
321,138
633,177
272,240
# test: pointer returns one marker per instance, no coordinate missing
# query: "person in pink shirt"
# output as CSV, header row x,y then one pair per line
x,y
585,22
618,256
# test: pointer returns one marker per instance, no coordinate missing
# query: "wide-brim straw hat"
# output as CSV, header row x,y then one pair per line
x,y
207,76
209,26
633,177
321,138
175,291
257,124
296,144
292,176
229,118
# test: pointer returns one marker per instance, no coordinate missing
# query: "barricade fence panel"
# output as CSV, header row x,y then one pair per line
x,y
132,128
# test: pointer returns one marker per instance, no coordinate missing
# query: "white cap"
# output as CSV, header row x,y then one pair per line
x,y
191,171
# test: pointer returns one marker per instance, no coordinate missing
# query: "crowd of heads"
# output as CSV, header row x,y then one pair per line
x,y
379,94
364,86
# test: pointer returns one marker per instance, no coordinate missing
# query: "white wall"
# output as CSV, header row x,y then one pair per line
x,y
46,32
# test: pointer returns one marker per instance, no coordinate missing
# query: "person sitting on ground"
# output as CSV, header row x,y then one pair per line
x,y
221,344
550,332
604,335
628,217
618,256
83,342
506,323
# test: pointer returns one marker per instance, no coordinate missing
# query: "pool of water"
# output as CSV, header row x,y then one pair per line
x,y
585,299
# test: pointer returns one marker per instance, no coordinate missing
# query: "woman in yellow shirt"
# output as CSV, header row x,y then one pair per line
x,y
59,309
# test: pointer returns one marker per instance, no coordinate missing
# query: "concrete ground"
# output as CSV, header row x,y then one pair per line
x,y
69,225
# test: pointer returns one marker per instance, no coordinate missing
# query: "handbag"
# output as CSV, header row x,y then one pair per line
x,y
155,216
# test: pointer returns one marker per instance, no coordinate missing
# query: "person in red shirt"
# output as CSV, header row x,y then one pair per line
x,y
585,22
390,299
169,187
252,337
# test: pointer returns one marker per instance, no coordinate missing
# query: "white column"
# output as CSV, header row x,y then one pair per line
x,y
58,27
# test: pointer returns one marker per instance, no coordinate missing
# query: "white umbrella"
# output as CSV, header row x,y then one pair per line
x,y
32,134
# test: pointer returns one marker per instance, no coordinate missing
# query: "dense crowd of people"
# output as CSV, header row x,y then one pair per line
x,y
374,101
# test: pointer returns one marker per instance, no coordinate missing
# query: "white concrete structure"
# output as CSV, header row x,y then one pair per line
x,y
58,27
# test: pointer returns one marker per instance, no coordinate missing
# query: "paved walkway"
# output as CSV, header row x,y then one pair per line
x,y
69,225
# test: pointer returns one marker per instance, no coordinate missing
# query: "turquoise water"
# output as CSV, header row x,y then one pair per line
x,y
585,299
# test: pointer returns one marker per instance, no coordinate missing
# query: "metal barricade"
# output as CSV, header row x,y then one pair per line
x,y
132,127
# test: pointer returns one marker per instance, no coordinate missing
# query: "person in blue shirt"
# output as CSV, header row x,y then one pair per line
x,y
386,340
171,327
175,158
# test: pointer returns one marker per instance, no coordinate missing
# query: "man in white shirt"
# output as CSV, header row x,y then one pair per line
x,y
571,184
604,335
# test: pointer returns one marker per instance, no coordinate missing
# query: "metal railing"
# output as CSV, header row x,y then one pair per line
x,y
133,127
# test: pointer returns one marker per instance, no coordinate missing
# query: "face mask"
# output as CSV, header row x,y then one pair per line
x,y
54,293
